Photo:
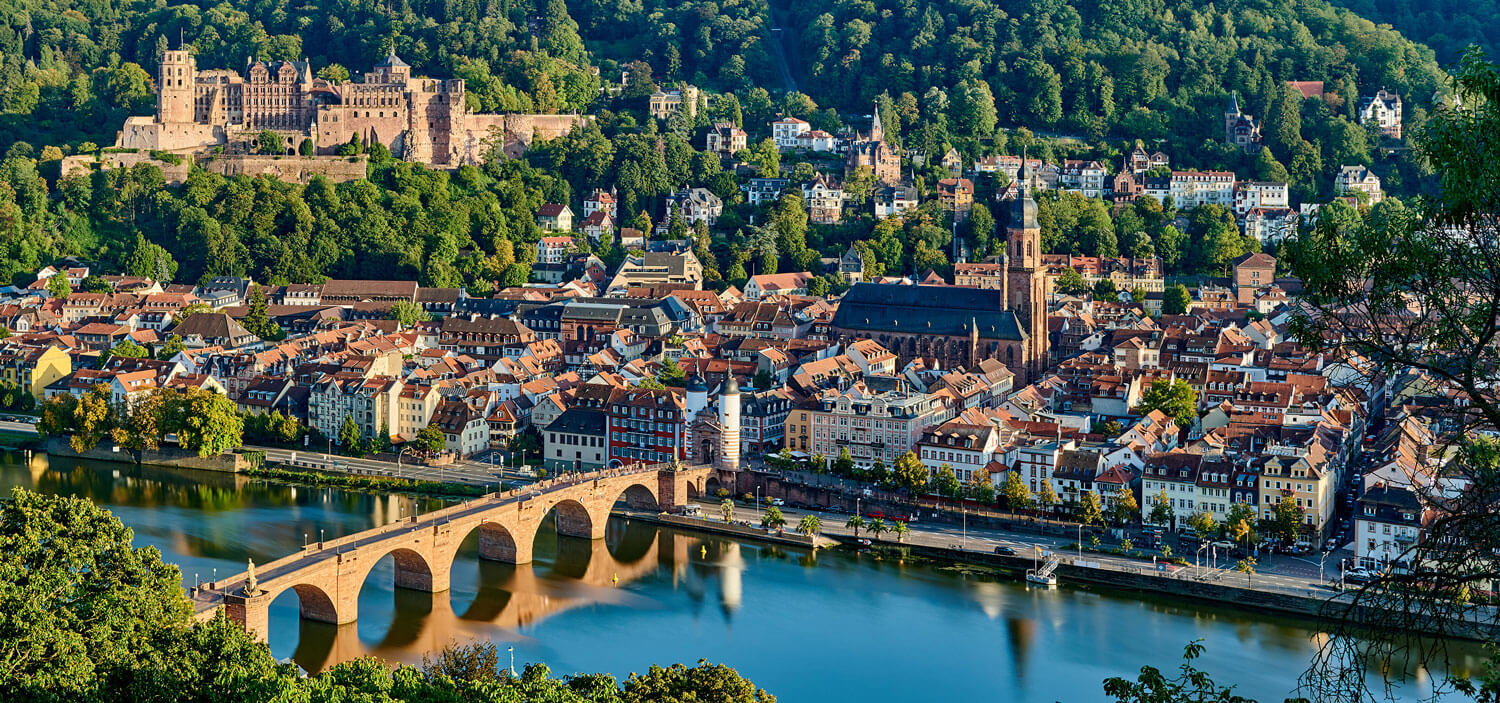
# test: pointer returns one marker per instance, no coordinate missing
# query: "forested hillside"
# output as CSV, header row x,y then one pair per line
x,y
1146,68
1448,26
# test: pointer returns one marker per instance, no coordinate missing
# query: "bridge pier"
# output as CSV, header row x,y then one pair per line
x,y
496,543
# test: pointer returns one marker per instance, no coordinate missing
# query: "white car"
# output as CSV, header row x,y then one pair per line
x,y
777,502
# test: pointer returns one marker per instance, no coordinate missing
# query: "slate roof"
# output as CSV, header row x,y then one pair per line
x,y
940,310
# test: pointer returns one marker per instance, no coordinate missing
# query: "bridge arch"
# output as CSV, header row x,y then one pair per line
x,y
639,496
414,570
314,603
573,519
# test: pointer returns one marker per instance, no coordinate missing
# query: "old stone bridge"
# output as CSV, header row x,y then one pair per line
x,y
327,576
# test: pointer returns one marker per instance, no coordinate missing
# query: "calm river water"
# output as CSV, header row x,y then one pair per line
x,y
835,627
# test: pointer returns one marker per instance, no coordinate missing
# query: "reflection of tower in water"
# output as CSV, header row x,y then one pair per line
x,y
731,584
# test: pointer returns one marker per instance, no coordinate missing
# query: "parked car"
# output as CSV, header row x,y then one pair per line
x,y
1358,576
778,502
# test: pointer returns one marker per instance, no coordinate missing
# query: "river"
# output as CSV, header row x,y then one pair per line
x,y
827,627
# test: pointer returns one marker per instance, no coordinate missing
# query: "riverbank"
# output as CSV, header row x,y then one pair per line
x,y
384,484
791,539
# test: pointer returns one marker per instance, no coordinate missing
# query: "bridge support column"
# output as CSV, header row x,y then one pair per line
x,y
253,615
582,525
421,580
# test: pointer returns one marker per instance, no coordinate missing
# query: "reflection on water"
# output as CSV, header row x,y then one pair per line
x,y
829,626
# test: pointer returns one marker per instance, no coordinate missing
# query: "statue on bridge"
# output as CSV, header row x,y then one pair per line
x,y
252,589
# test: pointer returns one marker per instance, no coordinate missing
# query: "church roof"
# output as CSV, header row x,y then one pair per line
x,y
936,310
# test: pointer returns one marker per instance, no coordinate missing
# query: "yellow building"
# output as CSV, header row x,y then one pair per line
x,y
1306,481
33,368
798,429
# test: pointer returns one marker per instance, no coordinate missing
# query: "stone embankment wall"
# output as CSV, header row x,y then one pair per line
x,y
166,456
292,169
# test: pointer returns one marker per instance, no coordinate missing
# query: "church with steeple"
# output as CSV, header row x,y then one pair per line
x,y
870,149
955,326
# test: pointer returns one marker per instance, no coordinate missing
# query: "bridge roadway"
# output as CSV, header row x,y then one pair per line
x,y
327,576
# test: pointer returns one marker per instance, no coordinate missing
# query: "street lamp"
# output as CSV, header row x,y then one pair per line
x,y
398,460
1080,541
965,512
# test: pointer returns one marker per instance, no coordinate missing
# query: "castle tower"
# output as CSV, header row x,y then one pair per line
x,y
176,87
1231,116
1026,279
729,422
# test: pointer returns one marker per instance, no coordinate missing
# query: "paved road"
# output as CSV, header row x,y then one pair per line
x,y
1283,573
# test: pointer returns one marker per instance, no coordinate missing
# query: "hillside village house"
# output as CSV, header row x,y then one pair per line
x,y
957,197
763,190
695,205
663,103
601,200
787,131
894,199
551,250
554,217
1358,179
825,200
768,284
1383,110
725,139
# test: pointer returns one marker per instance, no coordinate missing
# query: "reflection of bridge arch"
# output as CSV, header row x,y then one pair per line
x,y
424,547
511,597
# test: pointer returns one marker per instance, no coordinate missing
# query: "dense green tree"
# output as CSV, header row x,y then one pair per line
x,y
84,608
1175,398
408,313
909,473
1175,300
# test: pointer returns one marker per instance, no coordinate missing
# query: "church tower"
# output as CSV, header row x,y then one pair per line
x,y
176,87
1026,278
877,130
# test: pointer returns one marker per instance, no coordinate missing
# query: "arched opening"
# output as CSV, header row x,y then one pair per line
x,y
694,490
395,597
314,604
712,487
638,497
314,620
412,570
